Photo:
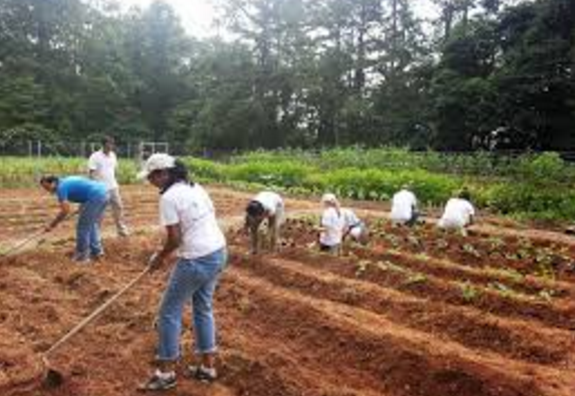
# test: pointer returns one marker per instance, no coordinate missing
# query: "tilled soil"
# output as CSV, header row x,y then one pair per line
x,y
390,319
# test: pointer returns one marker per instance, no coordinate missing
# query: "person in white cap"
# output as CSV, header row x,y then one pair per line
x,y
332,224
404,207
188,215
266,205
102,167
459,213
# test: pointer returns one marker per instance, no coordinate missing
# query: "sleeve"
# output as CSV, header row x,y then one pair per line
x,y
62,193
93,162
471,210
327,219
168,212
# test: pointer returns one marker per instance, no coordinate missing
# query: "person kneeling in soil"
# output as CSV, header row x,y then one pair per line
x,y
404,207
458,214
331,225
188,215
354,227
93,198
266,205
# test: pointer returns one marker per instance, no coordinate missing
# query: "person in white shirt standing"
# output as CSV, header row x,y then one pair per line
x,y
102,167
332,225
189,218
404,207
459,213
265,205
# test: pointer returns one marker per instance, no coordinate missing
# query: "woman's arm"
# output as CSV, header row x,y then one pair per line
x,y
172,242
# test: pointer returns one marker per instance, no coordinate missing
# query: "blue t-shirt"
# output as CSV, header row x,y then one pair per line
x,y
79,189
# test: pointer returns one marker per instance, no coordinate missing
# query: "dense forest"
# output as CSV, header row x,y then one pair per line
x,y
485,74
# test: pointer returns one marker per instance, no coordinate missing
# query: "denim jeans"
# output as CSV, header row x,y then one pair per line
x,y
88,239
191,280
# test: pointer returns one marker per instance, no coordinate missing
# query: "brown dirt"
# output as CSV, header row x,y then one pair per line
x,y
397,318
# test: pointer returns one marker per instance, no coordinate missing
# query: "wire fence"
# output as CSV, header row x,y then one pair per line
x,y
41,149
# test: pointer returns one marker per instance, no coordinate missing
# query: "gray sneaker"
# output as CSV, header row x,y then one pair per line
x,y
201,373
159,382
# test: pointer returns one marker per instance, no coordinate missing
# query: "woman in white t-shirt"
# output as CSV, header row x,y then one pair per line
x,y
187,213
353,226
459,212
404,207
332,224
266,205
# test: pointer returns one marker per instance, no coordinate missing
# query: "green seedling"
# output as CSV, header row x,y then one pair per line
x,y
496,243
503,290
523,253
469,292
414,241
361,268
442,244
469,248
415,278
389,266
511,274
547,295
511,256
393,240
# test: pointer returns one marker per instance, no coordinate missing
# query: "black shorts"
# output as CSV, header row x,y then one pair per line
x,y
326,248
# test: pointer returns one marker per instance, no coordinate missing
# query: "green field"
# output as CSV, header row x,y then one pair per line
x,y
528,187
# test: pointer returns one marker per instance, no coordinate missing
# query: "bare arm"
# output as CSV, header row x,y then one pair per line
x,y
64,212
171,243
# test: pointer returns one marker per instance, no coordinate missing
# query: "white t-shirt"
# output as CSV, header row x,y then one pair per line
x,y
271,201
333,224
457,213
402,205
104,168
349,218
191,208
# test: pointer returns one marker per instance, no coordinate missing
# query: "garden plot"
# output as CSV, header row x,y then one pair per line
x,y
396,318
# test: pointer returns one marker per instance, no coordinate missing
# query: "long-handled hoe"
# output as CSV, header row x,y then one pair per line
x,y
53,377
26,241
22,243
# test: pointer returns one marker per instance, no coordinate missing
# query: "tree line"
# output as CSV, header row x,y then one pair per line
x,y
484,74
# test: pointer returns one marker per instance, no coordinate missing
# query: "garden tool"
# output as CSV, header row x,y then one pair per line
x,y
32,237
23,243
53,377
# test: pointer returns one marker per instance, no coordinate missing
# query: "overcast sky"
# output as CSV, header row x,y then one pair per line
x,y
197,15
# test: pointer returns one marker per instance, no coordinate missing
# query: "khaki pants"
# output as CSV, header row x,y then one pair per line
x,y
118,211
273,234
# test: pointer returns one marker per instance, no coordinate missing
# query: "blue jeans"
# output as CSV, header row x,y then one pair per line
x,y
191,280
88,239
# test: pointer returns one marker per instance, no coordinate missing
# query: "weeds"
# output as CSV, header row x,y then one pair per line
x,y
415,279
469,293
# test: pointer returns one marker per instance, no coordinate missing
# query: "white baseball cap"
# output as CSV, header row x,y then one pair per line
x,y
329,198
156,162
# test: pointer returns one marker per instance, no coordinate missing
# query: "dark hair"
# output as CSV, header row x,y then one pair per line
x,y
177,174
465,194
49,179
255,209
108,139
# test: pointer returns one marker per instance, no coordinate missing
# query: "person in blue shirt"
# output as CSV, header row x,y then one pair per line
x,y
93,198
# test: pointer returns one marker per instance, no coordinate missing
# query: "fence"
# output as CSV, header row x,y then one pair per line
x,y
39,148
